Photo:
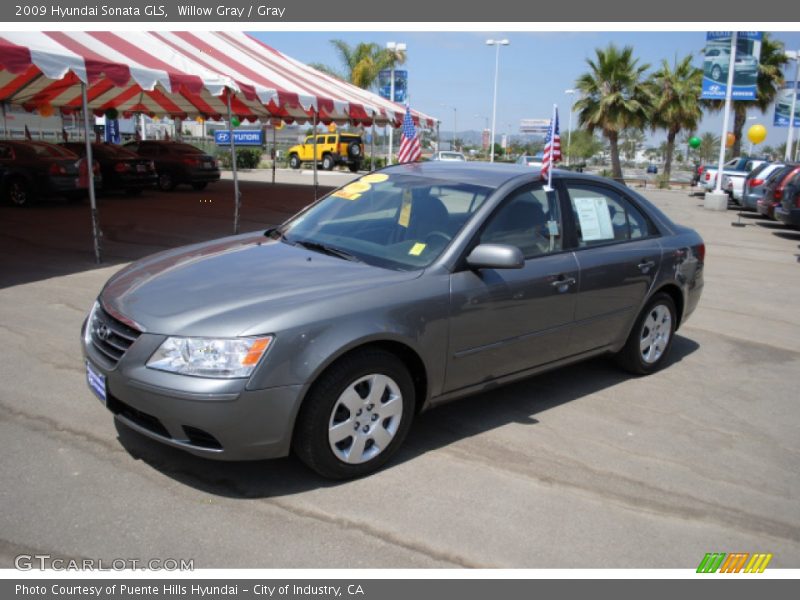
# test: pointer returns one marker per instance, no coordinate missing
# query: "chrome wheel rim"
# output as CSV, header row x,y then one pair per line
x,y
365,418
17,194
656,331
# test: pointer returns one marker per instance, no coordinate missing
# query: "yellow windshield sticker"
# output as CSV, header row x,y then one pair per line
x,y
417,249
405,211
358,187
374,178
346,195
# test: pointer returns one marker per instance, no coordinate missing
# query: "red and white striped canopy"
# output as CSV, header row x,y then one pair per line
x,y
180,74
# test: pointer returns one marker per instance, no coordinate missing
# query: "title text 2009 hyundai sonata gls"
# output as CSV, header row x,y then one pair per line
x,y
406,288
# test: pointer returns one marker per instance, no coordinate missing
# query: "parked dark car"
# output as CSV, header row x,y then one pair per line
x,y
33,170
788,210
775,189
404,289
652,169
122,168
178,163
756,182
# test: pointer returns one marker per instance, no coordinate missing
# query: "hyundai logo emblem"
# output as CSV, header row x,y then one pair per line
x,y
103,332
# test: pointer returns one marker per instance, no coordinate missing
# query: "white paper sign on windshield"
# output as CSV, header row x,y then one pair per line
x,y
594,218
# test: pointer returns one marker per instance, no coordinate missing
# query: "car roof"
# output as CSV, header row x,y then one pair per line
x,y
481,173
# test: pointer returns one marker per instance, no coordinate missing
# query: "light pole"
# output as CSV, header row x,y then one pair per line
x,y
570,92
396,48
455,123
496,44
795,56
750,147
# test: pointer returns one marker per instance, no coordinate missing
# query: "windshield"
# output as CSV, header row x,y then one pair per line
x,y
397,221
185,149
51,151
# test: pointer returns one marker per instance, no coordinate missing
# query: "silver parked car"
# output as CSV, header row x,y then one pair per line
x,y
402,290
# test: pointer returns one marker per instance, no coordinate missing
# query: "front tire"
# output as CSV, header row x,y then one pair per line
x,y
651,338
166,183
294,161
356,415
18,192
327,162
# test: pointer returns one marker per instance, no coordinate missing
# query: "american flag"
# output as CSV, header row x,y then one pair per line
x,y
410,150
552,146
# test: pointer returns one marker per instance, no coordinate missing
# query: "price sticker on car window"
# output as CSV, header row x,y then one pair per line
x,y
404,218
374,178
417,249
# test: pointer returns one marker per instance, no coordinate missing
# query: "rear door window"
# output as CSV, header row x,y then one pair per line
x,y
603,216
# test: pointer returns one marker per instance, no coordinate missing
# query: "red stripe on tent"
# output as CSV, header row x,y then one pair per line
x,y
93,92
16,59
177,78
119,99
201,105
167,104
52,91
12,86
96,65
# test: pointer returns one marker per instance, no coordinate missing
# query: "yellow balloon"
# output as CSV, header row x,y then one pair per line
x,y
332,127
757,134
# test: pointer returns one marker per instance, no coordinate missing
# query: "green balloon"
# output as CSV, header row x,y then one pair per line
x,y
694,142
235,121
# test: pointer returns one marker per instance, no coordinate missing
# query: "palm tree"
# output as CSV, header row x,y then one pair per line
x,y
709,147
632,141
769,82
613,97
362,63
676,90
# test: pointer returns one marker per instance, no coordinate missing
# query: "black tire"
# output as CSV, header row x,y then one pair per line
x,y
199,185
328,162
294,161
354,167
631,357
354,150
166,182
311,435
18,192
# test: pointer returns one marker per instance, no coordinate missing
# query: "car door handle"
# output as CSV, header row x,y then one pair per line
x,y
646,265
562,284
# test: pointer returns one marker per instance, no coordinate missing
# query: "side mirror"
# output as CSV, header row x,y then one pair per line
x,y
496,256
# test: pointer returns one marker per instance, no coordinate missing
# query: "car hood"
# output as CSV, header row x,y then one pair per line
x,y
229,287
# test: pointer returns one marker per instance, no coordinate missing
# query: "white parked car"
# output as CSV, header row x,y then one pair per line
x,y
448,155
530,161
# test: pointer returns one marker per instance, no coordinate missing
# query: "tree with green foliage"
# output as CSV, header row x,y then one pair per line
x,y
613,96
582,145
362,63
709,147
676,91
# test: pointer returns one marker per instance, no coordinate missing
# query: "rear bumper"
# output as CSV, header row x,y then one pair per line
x,y
750,200
202,175
789,216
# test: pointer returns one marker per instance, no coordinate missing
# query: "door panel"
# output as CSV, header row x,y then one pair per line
x,y
504,321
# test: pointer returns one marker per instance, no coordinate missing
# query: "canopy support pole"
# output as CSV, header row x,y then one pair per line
x,y
372,149
316,183
96,233
236,195
274,150
5,120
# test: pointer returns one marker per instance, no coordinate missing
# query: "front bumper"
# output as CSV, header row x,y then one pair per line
x,y
790,216
214,418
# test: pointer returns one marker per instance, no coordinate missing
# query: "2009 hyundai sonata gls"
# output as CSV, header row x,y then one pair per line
x,y
406,288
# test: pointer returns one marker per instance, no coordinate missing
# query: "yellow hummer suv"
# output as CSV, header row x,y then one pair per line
x,y
332,149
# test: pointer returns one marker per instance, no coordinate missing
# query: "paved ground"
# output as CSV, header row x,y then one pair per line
x,y
581,467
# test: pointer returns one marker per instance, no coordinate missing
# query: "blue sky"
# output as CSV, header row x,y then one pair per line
x,y
457,69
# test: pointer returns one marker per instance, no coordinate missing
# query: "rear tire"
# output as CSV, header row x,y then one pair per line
x,y
166,183
356,415
354,167
18,192
651,337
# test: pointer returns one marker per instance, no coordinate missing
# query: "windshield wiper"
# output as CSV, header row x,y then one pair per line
x,y
329,250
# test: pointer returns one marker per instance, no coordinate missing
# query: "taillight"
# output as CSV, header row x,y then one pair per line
x,y
191,161
57,169
700,252
778,193
755,182
708,176
797,201
122,167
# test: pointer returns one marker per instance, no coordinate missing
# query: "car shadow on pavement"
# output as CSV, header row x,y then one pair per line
x,y
515,403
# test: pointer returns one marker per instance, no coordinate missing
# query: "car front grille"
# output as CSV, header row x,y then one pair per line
x,y
110,337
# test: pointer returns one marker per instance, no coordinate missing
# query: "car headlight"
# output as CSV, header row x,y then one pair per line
x,y
226,358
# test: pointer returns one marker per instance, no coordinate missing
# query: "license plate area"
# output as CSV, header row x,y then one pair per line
x,y
96,381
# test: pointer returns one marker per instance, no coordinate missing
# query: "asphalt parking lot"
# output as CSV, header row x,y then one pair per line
x,y
582,467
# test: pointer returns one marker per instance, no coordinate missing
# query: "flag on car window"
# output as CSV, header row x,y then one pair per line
x,y
552,147
410,150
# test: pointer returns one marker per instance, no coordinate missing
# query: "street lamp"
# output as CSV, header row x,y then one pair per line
x,y
795,56
396,48
570,92
496,44
455,123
